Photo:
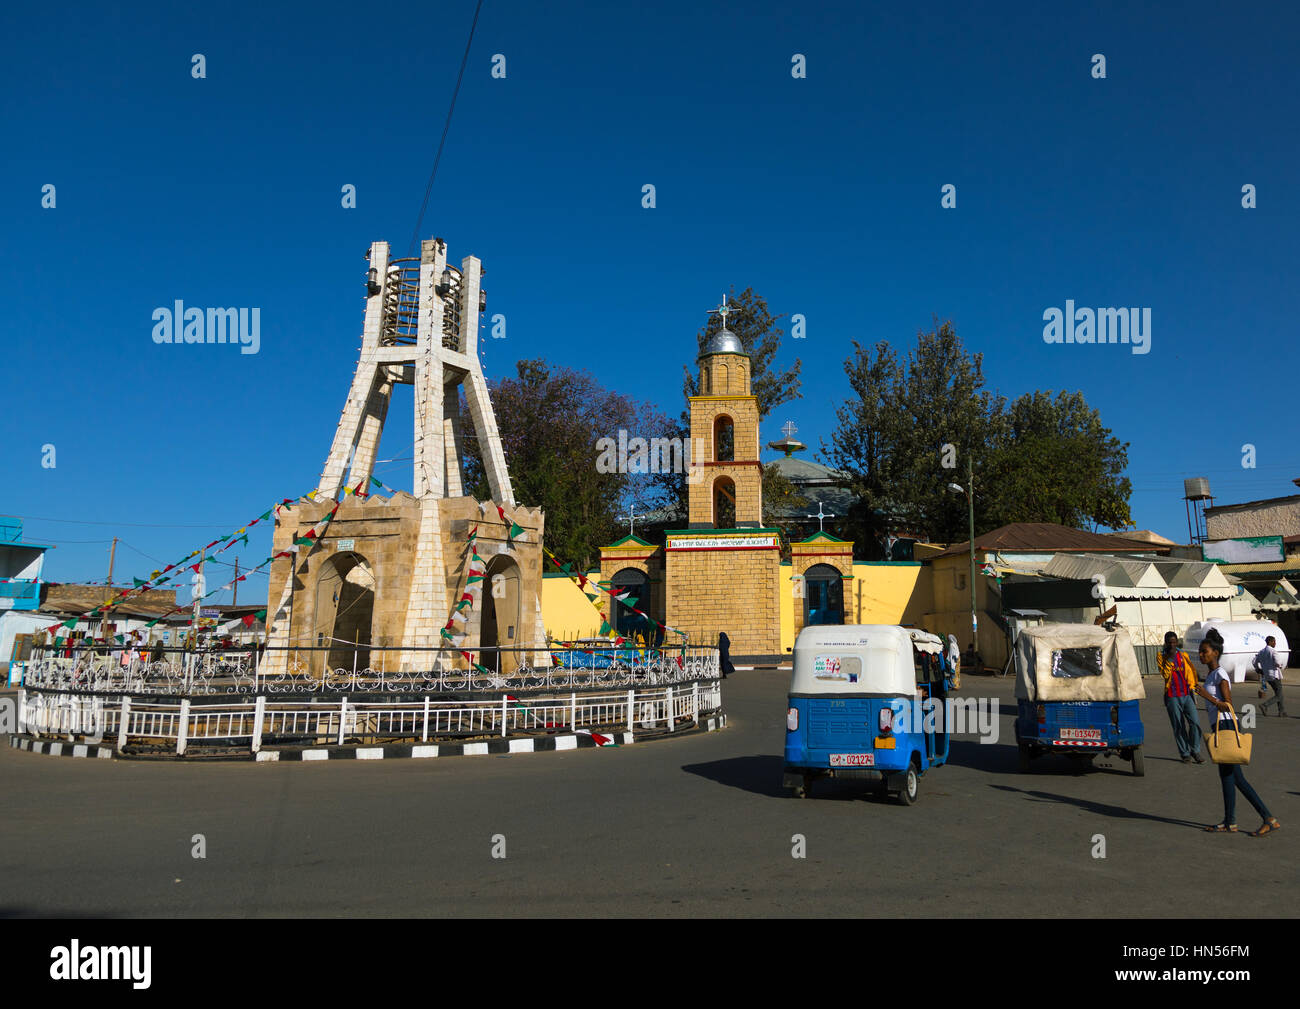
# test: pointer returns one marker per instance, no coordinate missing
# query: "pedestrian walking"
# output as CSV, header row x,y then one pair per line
x,y
1268,666
1218,705
1180,685
724,655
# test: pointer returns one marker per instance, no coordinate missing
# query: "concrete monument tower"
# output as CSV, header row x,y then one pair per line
x,y
362,571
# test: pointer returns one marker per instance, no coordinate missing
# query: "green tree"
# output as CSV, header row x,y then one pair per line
x,y
912,427
551,420
906,421
1054,461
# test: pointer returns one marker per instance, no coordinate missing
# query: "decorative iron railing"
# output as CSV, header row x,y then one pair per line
x,y
229,671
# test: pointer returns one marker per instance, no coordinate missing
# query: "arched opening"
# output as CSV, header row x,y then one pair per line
x,y
706,386
627,623
345,606
724,381
724,503
724,439
823,595
501,619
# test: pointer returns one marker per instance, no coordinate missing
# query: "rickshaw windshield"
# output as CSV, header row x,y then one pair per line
x,y
1072,663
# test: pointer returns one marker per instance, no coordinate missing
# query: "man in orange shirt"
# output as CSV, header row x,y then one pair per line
x,y
1180,686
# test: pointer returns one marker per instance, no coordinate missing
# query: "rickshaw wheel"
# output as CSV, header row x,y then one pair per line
x,y
800,791
1139,764
1024,758
908,794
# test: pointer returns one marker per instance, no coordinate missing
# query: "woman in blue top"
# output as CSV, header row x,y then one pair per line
x,y
1218,704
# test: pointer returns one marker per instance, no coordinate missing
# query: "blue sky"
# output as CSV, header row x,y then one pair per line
x,y
822,193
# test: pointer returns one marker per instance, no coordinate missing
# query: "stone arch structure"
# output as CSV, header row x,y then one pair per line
x,y
823,601
501,621
625,622
344,613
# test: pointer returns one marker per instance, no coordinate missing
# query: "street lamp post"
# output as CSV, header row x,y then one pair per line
x,y
969,491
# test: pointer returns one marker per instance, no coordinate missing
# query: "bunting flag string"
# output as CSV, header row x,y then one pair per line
x,y
162,577
619,595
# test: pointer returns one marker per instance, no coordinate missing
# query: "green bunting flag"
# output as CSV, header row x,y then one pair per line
x,y
604,628
261,614
70,623
139,582
473,578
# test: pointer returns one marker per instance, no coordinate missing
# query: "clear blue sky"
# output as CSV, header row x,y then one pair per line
x,y
823,194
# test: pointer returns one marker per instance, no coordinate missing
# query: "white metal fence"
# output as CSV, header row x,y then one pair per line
x,y
187,725
123,670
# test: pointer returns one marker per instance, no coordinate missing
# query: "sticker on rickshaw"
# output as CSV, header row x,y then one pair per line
x,y
853,760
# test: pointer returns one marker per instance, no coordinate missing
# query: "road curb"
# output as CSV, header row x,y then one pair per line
x,y
488,747
61,749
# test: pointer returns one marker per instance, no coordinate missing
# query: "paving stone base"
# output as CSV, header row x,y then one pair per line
x,y
532,744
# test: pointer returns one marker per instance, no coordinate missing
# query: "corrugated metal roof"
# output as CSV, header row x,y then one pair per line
x,y
1049,537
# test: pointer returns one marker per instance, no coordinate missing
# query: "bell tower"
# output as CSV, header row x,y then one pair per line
x,y
722,573
724,416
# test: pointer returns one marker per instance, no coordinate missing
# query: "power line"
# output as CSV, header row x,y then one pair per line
x,y
415,237
138,525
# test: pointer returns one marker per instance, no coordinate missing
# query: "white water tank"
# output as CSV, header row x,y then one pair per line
x,y
1242,641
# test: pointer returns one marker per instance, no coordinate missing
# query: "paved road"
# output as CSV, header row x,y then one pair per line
x,y
691,826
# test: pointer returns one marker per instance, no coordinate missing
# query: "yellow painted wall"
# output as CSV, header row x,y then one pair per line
x,y
889,593
787,607
566,611
894,593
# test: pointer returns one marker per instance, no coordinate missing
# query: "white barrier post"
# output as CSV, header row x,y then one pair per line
x,y
573,710
631,703
424,736
259,712
504,702
343,717
122,725
670,709
695,701
183,729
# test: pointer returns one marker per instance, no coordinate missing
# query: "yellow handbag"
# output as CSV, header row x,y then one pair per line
x,y
1231,747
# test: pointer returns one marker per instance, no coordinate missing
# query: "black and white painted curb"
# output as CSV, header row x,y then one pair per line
x,y
538,744
60,749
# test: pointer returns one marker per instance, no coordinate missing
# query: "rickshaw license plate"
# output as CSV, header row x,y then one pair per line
x,y
1081,733
853,760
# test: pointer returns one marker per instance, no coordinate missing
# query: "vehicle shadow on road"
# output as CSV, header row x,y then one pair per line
x,y
760,774
1100,808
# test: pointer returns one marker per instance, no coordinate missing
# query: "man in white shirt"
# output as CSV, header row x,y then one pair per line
x,y
1270,675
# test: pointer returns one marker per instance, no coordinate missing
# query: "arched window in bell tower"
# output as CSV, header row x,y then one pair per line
x,y
724,503
724,380
705,385
724,439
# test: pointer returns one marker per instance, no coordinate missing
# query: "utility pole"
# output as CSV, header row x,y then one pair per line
x,y
112,554
235,584
970,497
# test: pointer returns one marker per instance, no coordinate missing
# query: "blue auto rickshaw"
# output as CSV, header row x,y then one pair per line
x,y
1077,691
866,703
